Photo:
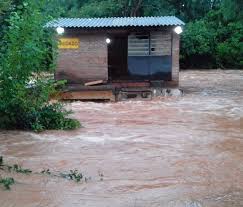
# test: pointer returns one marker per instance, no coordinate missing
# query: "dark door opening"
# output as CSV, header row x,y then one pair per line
x,y
117,57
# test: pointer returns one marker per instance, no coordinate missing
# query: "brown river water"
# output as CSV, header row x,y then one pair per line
x,y
177,152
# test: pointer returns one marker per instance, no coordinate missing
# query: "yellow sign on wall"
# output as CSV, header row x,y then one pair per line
x,y
69,43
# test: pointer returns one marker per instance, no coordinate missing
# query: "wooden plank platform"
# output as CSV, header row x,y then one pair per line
x,y
88,95
113,91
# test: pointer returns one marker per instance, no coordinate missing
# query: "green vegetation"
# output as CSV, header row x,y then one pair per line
x,y
7,182
216,40
18,169
73,175
13,168
24,55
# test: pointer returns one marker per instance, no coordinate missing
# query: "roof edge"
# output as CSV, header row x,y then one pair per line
x,y
110,22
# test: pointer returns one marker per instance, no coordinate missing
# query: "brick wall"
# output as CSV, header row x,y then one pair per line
x,y
87,63
175,57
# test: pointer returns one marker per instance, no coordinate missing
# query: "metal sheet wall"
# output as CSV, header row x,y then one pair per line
x,y
149,56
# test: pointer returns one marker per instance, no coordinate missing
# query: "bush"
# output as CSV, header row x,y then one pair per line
x,y
29,109
52,117
24,105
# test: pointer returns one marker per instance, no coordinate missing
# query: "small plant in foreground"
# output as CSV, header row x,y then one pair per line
x,y
52,116
73,175
13,168
101,175
19,169
7,182
1,160
47,172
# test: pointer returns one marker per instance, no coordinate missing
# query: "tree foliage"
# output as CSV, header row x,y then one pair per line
x,y
197,45
24,91
212,36
232,9
214,41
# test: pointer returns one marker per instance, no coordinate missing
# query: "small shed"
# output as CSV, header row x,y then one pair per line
x,y
118,53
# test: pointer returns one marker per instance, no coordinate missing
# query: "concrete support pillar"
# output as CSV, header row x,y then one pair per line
x,y
175,57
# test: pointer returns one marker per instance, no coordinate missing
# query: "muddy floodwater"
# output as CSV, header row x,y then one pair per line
x,y
177,152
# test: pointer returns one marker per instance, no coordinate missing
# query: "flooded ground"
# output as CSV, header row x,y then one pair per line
x,y
176,152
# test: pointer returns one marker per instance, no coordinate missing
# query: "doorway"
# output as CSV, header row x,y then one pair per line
x,y
117,57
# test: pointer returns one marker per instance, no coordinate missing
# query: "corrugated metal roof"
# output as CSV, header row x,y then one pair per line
x,y
115,22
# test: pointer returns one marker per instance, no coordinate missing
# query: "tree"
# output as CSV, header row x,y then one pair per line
x,y
232,9
197,45
24,92
4,5
229,53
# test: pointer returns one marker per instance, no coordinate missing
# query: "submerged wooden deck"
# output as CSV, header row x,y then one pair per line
x,y
115,91
89,95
